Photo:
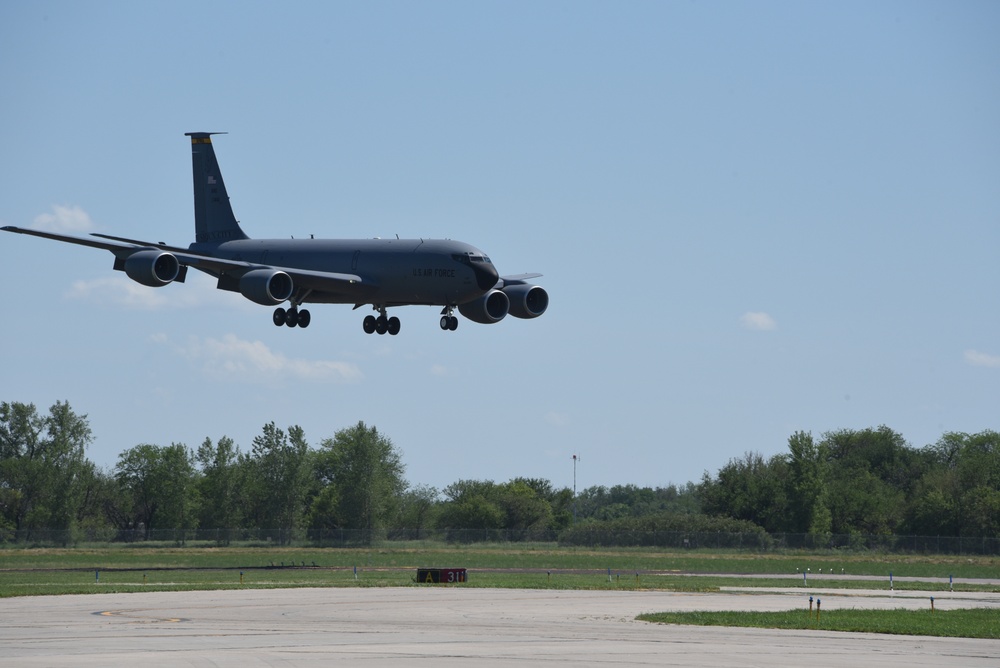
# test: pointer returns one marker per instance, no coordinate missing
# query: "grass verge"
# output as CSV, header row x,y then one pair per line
x,y
965,623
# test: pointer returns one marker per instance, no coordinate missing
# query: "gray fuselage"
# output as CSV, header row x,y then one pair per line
x,y
393,271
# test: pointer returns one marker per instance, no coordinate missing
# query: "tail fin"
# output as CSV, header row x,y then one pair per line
x,y
213,215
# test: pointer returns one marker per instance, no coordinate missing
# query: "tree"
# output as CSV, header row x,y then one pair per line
x,y
524,510
276,478
977,492
98,492
219,487
41,461
807,485
158,482
752,489
931,509
416,511
471,518
862,503
365,471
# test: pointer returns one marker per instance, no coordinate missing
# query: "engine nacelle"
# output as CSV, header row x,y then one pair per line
x,y
266,286
527,301
152,267
488,309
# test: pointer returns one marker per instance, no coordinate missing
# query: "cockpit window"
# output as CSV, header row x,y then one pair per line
x,y
469,258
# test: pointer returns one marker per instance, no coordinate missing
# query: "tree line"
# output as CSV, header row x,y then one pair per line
x,y
868,481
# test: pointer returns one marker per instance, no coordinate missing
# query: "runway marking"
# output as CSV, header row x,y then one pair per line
x,y
125,614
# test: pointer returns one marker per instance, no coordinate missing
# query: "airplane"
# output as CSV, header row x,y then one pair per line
x,y
383,273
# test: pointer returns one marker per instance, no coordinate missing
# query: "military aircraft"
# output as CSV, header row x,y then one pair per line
x,y
382,273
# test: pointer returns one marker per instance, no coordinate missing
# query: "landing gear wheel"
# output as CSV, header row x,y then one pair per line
x,y
369,324
381,324
279,316
448,320
304,318
292,317
393,326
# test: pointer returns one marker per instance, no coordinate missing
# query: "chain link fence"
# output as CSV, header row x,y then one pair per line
x,y
579,536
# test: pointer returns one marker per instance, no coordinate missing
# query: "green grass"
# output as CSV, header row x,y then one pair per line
x,y
73,570
965,623
77,581
543,556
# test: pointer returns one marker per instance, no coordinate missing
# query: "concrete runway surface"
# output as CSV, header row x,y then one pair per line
x,y
445,626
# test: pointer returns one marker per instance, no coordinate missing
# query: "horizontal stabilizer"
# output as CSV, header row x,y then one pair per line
x,y
517,278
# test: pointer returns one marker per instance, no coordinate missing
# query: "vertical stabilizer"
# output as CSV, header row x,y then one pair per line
x,y
213,215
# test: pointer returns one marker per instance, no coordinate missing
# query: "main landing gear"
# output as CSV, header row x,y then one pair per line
x,y
449,322
382,324
292,317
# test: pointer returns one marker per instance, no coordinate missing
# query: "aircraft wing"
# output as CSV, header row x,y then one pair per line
x,y
110,244
321,281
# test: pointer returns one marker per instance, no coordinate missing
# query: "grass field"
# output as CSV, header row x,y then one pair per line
x,y
543,556
971,623
46,571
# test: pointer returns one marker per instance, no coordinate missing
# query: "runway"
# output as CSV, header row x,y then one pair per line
x,y
425,626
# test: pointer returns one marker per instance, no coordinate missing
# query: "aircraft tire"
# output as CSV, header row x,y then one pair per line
x,y
393,326
292,317
304,318
279,316
445,322
369,324
381,325
453,323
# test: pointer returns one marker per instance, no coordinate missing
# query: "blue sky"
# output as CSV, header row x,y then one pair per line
x,y
752,219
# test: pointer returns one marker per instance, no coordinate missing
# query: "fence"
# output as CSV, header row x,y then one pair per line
x,y
581,536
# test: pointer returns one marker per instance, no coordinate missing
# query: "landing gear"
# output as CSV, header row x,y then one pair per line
x,y
382,324
292,317
448,320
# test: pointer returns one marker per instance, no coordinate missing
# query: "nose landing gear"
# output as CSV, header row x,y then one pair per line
x,y
449,322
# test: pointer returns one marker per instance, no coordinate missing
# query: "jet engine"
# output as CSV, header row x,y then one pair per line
x,y
527,301
152,267
488,309
266,286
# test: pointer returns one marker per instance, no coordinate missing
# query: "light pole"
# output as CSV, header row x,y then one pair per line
x,y
575,460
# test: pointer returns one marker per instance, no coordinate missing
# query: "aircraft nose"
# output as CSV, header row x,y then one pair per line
x,y
486,275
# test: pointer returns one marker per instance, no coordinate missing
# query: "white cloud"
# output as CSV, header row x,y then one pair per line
x,y
116,289
65,220
976,358
439,370
557,419
759,321
233,358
